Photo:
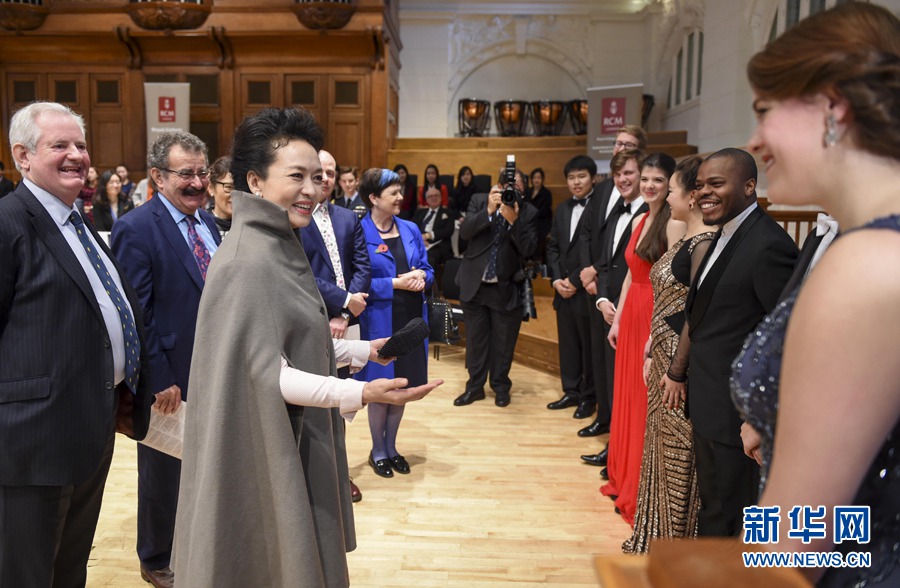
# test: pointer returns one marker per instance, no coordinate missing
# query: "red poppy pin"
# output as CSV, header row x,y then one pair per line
x,y
381,248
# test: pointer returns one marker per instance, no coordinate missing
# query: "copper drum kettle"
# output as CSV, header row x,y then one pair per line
x,y
474,117
549,116
578,114
511,115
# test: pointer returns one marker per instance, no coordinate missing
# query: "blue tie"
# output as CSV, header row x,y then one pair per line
x,y
498,227
132,344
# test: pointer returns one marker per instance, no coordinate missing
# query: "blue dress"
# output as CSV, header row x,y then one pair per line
x,y
754,390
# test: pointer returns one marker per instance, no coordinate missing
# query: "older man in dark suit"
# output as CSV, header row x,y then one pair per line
x,y
738,283
165,248
500,237
72,356
436,223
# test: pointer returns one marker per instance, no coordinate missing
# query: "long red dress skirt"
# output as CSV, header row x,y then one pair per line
x,y
629,417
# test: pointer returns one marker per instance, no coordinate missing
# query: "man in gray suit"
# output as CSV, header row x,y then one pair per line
x,y
72,361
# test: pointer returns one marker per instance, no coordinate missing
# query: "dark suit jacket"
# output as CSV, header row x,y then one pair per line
x,y
103,220
6,186
162,269
444,225
355,264
356,205
516,244
57,396
613,268
741,288
594,231
566,258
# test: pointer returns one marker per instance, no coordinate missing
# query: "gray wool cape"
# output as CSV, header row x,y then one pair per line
x,y
265,491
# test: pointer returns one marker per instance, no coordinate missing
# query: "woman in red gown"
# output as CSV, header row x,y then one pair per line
x,y
630,333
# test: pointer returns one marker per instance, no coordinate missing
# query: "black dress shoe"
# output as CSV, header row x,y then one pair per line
x,y
585,410
596,460
594,429
382,467
401,466
565,402
468,398
605,475
502,400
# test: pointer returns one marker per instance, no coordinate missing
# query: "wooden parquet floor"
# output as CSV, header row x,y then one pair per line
x,y
497,496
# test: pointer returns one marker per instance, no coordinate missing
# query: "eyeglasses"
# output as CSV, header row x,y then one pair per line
x,y
628,145
188,175
225,186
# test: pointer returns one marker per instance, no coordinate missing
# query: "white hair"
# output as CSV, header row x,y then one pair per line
x,y
23,128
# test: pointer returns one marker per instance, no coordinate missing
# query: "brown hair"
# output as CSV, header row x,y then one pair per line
x,y
348,170
636,132
852,49
622,157
655,242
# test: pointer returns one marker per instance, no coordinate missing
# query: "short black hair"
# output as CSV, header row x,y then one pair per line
x,y
743,162
259,135
578,163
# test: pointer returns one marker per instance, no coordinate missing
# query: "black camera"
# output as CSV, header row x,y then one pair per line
x,y
510,194
530,272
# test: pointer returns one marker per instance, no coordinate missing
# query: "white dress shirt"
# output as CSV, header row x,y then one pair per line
x,y
728,231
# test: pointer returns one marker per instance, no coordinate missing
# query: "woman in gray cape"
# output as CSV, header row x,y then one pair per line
x,y
265,493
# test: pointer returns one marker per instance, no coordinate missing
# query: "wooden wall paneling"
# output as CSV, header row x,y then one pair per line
x,y
106,140
346,137
255,97
347,119
378,112
310,92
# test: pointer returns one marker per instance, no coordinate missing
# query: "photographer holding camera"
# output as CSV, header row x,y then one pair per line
x,y
502,232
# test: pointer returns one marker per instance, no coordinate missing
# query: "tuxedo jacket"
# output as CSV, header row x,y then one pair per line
x,y
57,394
612,267
566,257
355,266
162,268
741,288
356,205
444,225
594,230
516,243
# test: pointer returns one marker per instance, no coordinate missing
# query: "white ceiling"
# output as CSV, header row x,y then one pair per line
x,y
519,7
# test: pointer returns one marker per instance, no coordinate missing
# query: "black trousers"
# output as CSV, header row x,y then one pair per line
x,y
46,532
575,358
603,362
727,481
491,335
159,476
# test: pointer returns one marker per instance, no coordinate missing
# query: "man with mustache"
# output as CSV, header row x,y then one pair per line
x,y
165,248
738,283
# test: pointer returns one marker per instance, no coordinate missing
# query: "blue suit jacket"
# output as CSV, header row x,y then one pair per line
x,y
377,320
161,267
354,258
57,395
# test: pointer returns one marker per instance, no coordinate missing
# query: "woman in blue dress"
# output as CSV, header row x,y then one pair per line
x,y
400,275
819,380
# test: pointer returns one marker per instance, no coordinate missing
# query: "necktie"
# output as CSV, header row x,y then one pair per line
x,y
198,248
499,226
327,230
132,343
429,216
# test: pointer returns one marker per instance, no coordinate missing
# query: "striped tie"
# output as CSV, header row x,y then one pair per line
x,y
132,344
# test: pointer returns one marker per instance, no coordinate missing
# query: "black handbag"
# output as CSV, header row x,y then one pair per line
x,y
441,322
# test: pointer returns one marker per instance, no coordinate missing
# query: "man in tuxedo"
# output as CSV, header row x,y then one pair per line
x,y
6,185
348,177
738,283
436,223
74,357
567,255
500,237
609,264
336,247
165,248
605,200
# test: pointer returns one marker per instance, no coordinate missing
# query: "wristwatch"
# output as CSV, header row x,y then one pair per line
x,y
345,315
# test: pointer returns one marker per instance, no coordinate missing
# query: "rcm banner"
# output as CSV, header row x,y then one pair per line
x,y
168,109
609,109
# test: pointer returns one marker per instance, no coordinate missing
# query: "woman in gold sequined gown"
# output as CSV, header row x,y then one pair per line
x,y
667,500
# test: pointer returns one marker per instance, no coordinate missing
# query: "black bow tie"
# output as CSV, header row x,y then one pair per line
x,y
579,201
625,208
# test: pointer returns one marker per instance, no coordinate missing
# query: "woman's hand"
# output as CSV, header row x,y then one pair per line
x,y
673,392
751,439
375,346
392,391
613,336
413,280
647,363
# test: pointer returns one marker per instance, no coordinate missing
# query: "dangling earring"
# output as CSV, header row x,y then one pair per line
x,y
831,132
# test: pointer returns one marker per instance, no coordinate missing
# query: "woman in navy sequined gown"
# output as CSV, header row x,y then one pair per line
x,y
826,361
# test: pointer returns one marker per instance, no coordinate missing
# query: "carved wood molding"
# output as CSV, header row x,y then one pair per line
x,y
22,17
161,15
